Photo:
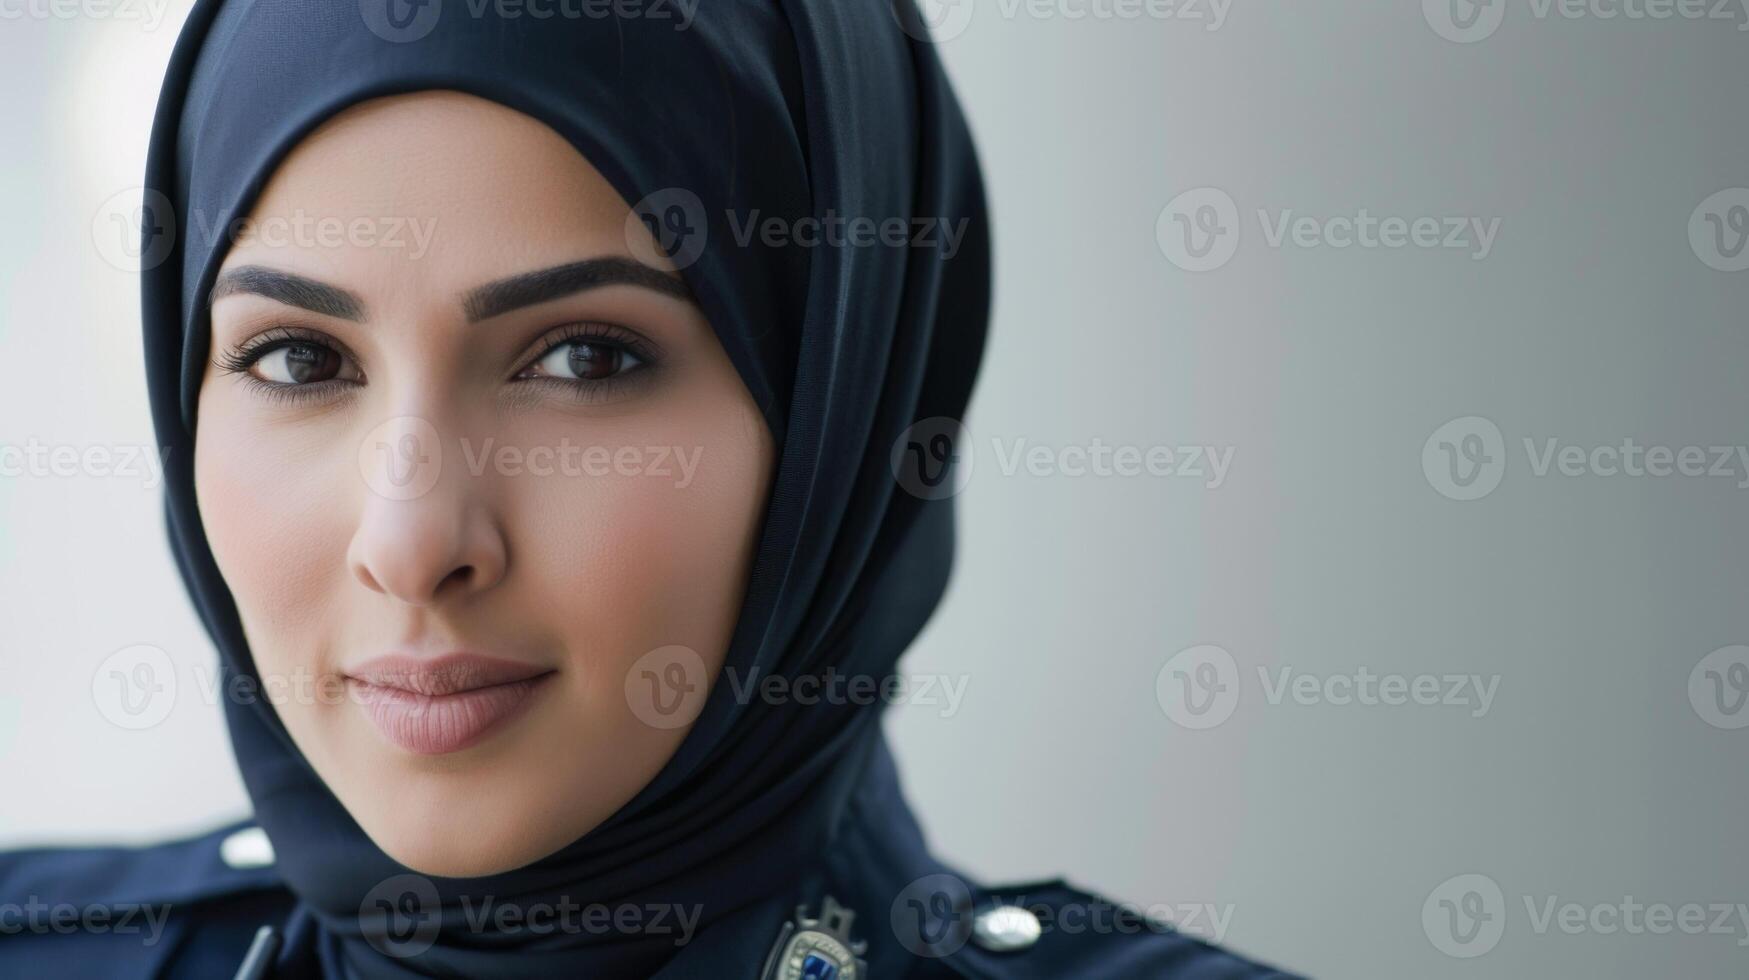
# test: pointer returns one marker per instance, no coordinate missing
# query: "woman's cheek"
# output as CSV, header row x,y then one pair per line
x,y
629,562
275,515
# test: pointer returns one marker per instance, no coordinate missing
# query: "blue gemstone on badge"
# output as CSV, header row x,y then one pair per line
x,y
816,949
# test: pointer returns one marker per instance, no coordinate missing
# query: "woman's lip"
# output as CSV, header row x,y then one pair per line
x,y
451,673
437,705
427,724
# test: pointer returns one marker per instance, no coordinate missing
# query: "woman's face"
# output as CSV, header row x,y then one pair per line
x,y
484,485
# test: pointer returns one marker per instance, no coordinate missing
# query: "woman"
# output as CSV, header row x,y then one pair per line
x,y
523,514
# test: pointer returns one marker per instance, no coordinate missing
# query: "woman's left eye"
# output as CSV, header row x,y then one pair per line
x,y
585,359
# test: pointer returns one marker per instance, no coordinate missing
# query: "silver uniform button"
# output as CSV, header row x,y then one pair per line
x,y
1005,929
247,848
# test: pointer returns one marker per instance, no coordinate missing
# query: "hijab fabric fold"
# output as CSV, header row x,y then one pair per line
x,y
829,109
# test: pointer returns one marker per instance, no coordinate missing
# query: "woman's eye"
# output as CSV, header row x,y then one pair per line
x,y
585,360
299,364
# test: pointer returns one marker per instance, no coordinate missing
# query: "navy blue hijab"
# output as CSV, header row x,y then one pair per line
x,y
786,108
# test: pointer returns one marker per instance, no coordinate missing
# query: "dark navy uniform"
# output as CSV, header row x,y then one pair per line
x,y
193,908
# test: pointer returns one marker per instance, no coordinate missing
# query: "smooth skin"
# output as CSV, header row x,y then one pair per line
x,y
330,349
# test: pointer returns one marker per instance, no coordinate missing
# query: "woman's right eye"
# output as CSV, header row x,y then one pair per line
x,y
284,364
299,363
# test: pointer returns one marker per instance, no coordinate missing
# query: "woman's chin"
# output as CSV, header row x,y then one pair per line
x,y
472,846
432,858
467,822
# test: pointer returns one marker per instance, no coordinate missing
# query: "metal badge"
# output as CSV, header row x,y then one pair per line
x,y
817,949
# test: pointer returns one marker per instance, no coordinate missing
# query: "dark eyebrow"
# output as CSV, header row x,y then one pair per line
x,y
529,288
291,289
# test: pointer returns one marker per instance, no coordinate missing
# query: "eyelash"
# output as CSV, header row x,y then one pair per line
x,y
239,359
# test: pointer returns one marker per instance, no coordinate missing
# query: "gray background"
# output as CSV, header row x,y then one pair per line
x,y
1318,831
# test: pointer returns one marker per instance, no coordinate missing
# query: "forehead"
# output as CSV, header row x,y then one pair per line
x,y
430,189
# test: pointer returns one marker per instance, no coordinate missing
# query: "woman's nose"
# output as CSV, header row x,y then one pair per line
x,y
425,533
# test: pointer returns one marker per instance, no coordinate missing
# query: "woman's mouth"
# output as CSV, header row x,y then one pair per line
x,y
437,705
